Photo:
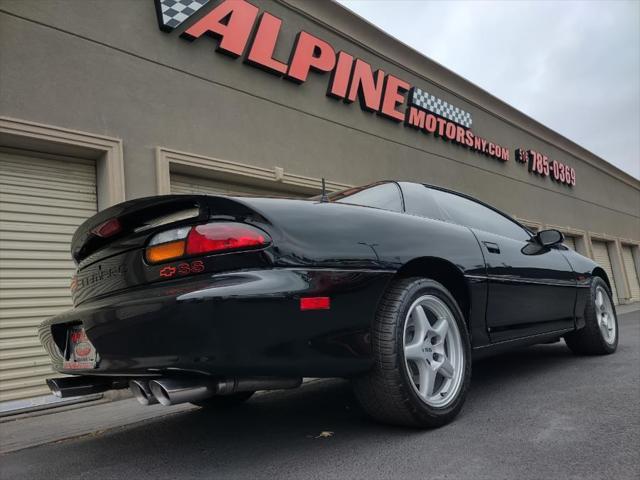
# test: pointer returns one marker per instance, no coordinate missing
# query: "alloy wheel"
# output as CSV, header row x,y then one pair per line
x,y
605,315
433,352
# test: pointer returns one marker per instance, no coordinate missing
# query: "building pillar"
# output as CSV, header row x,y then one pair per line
x,y
619,273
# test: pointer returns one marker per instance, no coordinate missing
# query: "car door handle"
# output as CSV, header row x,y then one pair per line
x,y
492,247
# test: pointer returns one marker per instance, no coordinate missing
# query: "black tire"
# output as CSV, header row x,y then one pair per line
x,y
590,340
223,402
386,392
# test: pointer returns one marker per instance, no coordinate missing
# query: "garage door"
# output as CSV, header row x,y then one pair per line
x,y
570,242
42,201
192,184
632,274
601,256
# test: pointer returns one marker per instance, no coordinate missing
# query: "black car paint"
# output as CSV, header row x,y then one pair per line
x,y
530,293
241,316
236,323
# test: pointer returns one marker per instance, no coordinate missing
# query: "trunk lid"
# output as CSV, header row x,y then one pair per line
x,y
111,263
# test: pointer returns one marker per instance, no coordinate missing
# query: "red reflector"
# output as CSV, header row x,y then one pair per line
x,y
219,236
315,303
108,228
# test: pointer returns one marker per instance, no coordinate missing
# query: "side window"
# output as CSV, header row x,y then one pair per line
x,y
419,201
384,195
472,214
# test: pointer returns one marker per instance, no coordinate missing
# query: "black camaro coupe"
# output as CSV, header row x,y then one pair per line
x,y
395,285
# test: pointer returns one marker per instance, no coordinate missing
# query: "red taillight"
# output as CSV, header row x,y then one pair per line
x,y
218,237
108,228
315,303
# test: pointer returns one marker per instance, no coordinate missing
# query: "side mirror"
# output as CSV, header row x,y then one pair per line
x,y
548,238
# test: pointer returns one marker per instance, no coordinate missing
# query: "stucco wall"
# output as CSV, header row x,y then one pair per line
x,y
106,68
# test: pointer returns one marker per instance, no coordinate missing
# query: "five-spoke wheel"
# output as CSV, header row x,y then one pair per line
x,y
605,315
433,352
599,335
421,353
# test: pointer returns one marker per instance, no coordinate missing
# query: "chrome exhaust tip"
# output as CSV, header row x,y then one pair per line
x,y
65,387
173,391
142,392
54,387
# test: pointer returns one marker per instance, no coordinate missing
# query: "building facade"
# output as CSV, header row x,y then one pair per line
x,y
106,101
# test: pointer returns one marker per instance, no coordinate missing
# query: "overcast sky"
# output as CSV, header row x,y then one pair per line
x,y
572,65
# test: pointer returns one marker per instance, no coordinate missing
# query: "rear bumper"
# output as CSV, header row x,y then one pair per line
x,y
241,323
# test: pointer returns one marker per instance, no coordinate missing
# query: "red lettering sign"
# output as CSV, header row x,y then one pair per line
x,y
429,123
231,22
365,87
310,53
340,77
393,96
541,165
264,44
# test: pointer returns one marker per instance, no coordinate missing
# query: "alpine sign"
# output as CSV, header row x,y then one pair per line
x,y
243,31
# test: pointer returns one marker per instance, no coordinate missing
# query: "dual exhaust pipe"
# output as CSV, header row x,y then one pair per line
x,y
167,391
65,387
173,391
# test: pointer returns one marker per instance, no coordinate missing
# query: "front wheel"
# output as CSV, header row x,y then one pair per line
x,y
599,336
422,357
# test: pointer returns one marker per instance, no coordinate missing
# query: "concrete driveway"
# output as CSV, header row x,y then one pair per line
x,y
536,413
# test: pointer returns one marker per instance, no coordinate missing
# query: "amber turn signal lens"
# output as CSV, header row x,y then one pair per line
x,y
165,251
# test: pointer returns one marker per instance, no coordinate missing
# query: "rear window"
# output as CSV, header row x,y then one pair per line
x,y
385,195
419,201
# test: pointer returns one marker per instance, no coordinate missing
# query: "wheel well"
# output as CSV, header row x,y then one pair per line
x,y
444,272
599,272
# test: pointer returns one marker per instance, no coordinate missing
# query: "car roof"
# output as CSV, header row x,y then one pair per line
x,y
468,197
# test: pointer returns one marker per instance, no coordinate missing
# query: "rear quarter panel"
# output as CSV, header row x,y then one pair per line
x,y
331,234
314,234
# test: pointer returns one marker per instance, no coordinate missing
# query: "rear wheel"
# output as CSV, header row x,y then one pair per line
x,y
422,357
222,402
599,336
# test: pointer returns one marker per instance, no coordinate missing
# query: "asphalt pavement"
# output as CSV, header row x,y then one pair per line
x,y
536,413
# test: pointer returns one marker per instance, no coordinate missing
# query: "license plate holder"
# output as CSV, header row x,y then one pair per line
x,y
80,354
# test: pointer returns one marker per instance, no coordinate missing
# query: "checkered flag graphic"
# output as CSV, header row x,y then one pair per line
x,y
422,99
172,13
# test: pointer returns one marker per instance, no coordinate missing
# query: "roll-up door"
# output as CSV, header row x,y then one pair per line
x,y
193,184
42,201
601,256
632,274
570,242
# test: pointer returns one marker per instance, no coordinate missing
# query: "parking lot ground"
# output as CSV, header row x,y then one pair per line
x,y
535,413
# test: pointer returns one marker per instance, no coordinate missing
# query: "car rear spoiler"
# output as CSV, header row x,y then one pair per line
x,y
127,225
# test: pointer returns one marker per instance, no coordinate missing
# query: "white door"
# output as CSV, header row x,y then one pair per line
x,y
632,274
42,202
601,256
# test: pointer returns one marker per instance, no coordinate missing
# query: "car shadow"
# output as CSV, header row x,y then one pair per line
x,y
281,425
